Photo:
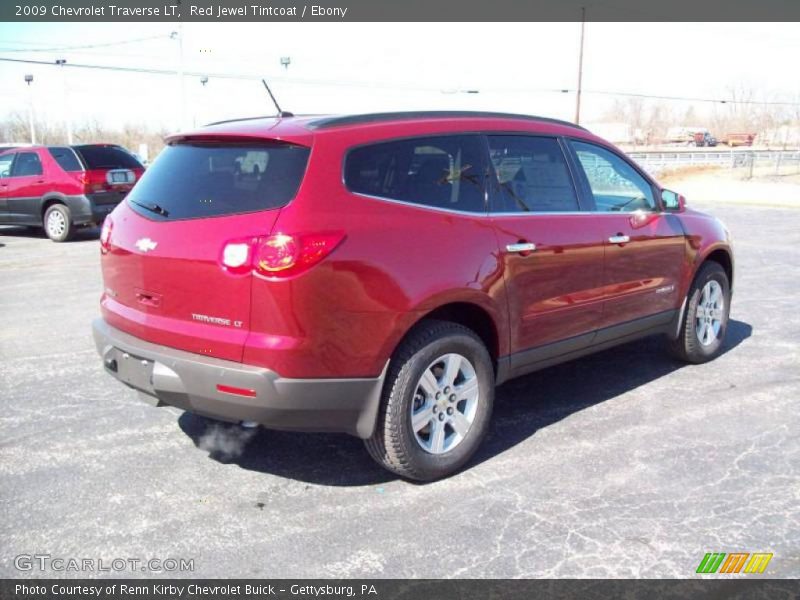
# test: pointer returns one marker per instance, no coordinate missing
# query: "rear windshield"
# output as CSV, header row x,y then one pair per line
x,y
192,180
107,157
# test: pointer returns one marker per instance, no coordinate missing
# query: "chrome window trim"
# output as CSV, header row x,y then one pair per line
x,y
576,213
504,214
422,206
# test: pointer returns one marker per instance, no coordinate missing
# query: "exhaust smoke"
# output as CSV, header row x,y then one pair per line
x,y
226,442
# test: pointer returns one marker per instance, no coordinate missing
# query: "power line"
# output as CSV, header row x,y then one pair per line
x,y
690,98
383,85
221,75
82,47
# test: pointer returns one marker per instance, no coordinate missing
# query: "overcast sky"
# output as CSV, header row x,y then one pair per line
x,y
356,67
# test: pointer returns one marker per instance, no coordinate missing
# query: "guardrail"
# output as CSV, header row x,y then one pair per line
x,y
656,162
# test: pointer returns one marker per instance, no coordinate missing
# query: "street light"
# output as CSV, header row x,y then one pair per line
x,y
67,117
202,101
286,61
29,81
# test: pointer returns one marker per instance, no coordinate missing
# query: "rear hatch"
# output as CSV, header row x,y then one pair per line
x,y
110,172
163,270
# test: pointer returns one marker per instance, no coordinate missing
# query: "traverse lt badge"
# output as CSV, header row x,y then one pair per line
x,y
146,244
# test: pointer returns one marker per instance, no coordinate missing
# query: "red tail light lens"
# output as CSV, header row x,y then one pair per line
x,y
105,235
276,253
279,255
283,255
93,181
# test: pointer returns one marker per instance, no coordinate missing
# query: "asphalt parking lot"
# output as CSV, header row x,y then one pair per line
x,y
623,464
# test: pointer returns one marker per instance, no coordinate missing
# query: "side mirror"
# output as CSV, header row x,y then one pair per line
x,y
673,201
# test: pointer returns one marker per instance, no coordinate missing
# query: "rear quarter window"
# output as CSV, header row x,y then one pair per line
x,y
107,157
66,159
194,180
444,172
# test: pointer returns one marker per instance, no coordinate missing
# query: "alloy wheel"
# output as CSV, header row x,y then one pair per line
x,y
56,224
710,313
445,403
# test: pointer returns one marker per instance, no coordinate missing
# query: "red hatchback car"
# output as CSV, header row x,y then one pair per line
x,y
380,274
62,188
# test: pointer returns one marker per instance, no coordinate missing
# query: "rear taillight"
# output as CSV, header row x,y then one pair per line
x,y
93,181
279,255
105,235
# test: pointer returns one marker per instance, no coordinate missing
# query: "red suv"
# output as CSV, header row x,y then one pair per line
x,y
62,188
380,274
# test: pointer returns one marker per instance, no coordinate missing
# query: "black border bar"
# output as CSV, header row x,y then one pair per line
x,y
400,11
396,589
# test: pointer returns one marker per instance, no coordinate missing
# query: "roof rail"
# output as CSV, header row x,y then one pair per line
x,y
329,122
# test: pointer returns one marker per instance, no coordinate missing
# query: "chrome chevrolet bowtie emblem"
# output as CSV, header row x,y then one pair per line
x,y
146,244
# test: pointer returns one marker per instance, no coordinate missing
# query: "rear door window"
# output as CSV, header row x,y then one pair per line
x,y
66,158
532,175
27,164
107,157
5,164
444,172
192,180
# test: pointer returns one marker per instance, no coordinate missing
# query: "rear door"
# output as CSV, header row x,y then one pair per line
x,y
26,186
552,251
645,248
164,280
6,160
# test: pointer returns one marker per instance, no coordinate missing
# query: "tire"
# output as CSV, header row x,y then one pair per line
x,y
700,340
58,223
446,440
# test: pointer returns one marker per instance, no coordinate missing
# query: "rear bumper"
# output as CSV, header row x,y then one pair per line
x,y
190,382
93,208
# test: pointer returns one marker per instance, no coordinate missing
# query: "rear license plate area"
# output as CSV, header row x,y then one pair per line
x,y
135,370
120,177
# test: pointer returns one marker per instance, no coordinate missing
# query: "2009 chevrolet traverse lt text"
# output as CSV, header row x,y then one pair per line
x,y
380,274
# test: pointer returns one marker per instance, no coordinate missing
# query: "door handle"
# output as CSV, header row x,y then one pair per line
x,y
619,239
521,247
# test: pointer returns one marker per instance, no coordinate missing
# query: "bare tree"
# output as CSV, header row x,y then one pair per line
x,y
15,128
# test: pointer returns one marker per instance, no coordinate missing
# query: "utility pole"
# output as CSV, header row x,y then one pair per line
x,y
178,35
29,80
580,69
204,102
67,116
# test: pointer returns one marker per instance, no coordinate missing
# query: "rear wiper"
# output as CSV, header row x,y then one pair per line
x,y
153,207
